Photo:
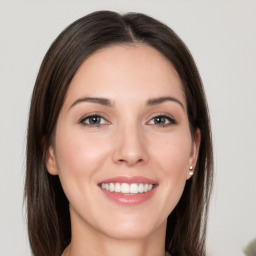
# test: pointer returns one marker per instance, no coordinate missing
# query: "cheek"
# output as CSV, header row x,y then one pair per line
x,y
172,160
78,152
173,154
78,157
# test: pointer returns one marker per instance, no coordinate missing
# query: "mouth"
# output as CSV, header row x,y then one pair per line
x,y
128,190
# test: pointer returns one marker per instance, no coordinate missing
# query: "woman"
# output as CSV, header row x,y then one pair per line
x,y
119,153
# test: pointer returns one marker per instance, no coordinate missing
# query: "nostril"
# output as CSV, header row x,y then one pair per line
x,y
131,161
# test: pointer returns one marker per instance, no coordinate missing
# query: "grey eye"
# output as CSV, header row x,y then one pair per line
x,y
93,120
161,120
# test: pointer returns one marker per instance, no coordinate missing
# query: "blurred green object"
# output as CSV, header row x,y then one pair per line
x,y
250,250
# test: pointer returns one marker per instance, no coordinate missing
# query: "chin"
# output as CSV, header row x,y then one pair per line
x,y
129,234
133,229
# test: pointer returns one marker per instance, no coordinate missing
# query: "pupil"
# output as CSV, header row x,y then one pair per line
x,y
160,120
94,120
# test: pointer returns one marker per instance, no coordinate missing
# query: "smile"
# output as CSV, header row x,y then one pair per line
x,y
125,188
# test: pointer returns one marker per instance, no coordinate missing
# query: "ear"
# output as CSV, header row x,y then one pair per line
x,y
194,152
50,161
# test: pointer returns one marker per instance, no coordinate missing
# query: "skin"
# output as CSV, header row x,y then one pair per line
x,y
127,142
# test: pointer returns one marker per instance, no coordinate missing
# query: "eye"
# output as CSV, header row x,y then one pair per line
x,y
162,120
94,120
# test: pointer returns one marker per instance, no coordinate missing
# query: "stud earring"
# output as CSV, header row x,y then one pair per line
x,y
191,170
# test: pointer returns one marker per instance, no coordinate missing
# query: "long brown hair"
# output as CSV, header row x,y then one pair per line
x,y
48,215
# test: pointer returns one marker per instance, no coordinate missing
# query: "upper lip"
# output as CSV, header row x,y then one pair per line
x,y
129,180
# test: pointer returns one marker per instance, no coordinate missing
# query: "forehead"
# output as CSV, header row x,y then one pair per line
x,y
123,71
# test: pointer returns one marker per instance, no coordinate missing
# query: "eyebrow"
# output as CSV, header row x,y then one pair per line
x,y
160,100
101,101
107,102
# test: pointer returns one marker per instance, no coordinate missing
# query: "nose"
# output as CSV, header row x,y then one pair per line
x,y
130,147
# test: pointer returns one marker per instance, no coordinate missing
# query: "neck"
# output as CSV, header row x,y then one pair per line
x,y
124,248
87,241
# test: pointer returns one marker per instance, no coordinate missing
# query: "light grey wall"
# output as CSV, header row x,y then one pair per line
x,y
221,35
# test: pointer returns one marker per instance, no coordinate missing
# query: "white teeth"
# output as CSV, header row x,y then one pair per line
x,y
134,189
117,187
111,187
126,188
141,188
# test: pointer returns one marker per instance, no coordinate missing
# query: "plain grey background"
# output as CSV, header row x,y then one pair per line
x,y
221,35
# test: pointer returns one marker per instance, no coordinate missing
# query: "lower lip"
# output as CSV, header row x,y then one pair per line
x,y
129,199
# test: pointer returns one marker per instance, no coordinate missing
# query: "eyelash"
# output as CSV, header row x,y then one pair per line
x,y
84,119
170,119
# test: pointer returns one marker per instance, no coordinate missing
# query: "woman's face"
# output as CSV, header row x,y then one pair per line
x,y
123,146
